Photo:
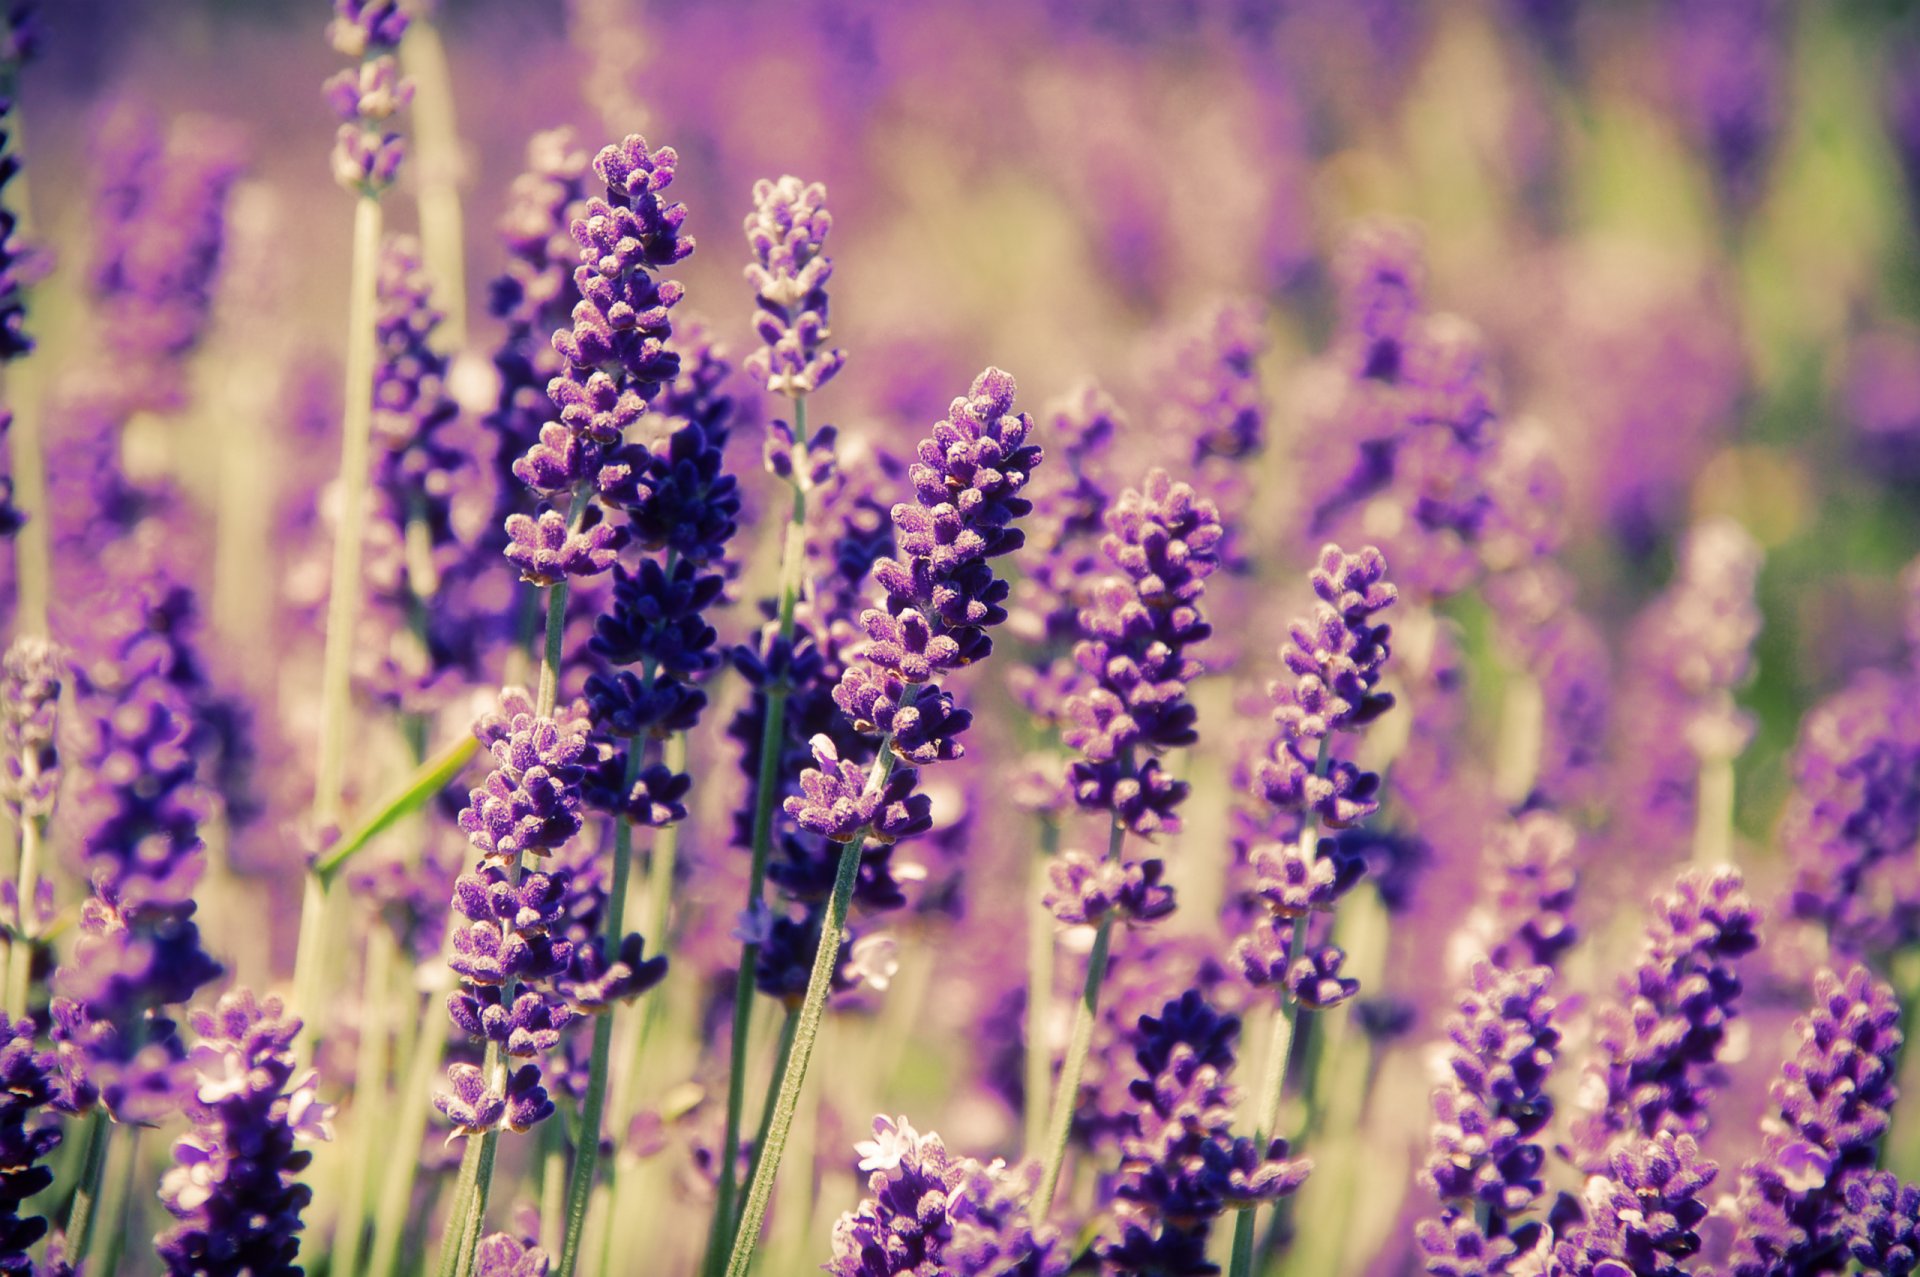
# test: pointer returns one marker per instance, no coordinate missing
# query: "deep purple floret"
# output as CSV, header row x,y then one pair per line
x,y
530,803
1882,1221
1832,1103
1084,890
502,1255
27,1140
232,1183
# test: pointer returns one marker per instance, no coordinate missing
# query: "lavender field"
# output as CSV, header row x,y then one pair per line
x,y
1265,637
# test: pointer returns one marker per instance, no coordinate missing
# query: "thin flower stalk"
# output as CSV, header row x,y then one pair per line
x,y
787,233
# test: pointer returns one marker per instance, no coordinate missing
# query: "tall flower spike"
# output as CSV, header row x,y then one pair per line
x,y
1335,659
232,1185
1659,1042
1164,539
366,97
1181,1168
1854,814
1486,1161
787,231
31,676
1832,1100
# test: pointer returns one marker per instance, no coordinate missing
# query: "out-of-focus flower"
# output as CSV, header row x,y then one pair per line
x,y
233,1182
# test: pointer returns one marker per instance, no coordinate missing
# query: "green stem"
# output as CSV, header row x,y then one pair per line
x,y
20,952
1067,1090
469,1210
114,1206
81,1216
370,1094
409,1128
1040,966
428,779
1285,1020
343,606
436,167
793,1077
1713,813
553,1178
788,1027
586,1150
793,558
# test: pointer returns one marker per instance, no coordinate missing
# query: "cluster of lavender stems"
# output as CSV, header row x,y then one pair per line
x,y
490,915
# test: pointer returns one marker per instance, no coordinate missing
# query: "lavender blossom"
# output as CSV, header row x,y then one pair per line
x,y
1854,815
942,595
787,231
366,151
1658,1044
929,1211
138,948
27,1087
533,296
1531,863
1181,1167
31,676
160,237
1486,1114
232,1183
16,262
1728,72
1832,1100
1882,1223
1336,659
502,1255
1134,661
1640,1215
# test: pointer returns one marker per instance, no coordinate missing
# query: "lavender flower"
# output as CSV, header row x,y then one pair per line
x,y
502,1255
1832,1099
942,595
1882,1223
366,152
1336,660
1181,1168
1486,1115
27,1087
16,262
787,231
1728,73
1640,1215
929,1211
534,295
31,676
1163,537
160,236
138,948
232,1184
1532,866
1212,387
1658,1044
1854,814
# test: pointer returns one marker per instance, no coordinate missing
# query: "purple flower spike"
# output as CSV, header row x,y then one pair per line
x,y
929,1211
530,803
1641,1215
232,1184
366,154
1531,859
1493,1103
787,232
1832,1100
1658,1044
31,675
1181,1168
1336,660
1085,890
836,803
